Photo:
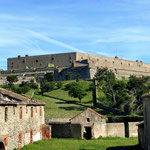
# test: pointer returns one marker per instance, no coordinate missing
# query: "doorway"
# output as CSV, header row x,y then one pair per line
x,y
88,133
2,147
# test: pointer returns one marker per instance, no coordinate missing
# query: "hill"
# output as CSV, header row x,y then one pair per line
x,y
60,105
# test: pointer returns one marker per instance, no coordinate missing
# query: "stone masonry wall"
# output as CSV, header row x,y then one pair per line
x,y
120,67
41,61
20,128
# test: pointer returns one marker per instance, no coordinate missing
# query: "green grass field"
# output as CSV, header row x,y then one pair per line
x,y
60,105
79,144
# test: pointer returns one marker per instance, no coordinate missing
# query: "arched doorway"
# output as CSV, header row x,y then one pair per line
x,y
2,147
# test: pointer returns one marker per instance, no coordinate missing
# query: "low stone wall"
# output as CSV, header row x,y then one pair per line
x,y
133,129
115,130
99,129
3,80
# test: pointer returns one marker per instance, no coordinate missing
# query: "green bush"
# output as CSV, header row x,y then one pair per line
x,y
47,86
59,84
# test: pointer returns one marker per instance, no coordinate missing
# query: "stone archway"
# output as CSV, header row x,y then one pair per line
x,y
2,147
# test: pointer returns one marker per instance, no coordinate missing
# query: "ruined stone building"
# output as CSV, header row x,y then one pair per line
x,y
22,120
89,124
83,64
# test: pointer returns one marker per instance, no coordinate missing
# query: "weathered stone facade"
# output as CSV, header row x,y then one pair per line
x,y
120,67
21,120
89,124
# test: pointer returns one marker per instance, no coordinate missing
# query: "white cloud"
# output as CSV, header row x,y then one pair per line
x,y
53,41
105,54
15,18
6,42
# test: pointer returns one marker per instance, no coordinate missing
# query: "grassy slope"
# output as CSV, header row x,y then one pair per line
x,y
78,144
57,105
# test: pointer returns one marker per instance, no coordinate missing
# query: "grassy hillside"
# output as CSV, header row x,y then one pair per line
x,y
60,105
78,144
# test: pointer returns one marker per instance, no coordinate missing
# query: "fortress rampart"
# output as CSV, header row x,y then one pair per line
x,y
76,62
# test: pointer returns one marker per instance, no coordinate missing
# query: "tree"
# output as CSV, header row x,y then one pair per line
x,y
59,84
68,75
114,91
77,77
47,86
77,91
138,86
11,79
106,81
49,76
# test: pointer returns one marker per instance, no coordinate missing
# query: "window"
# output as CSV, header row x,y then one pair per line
x,y
88,120
36,61
52,58
31,136
20,112
23,61
6,114
20,137
14,110
81,57
40,111
31,112
26,109
97,59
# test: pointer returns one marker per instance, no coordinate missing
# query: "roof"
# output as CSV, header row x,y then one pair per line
x,y
7,97
91,110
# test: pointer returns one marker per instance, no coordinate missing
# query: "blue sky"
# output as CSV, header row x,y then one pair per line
x,y
104,27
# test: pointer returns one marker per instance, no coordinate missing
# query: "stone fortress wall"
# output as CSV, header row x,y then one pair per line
x,y
120,67
41,61
76,62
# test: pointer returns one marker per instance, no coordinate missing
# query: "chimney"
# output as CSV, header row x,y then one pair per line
x,y
19,56
26,56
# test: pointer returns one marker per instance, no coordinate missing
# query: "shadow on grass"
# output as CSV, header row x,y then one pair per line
x,y
135,147
103,112
73,108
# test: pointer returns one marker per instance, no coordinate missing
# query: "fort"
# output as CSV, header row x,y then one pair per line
x,y
83,64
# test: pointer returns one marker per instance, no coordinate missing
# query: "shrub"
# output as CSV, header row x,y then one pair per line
x,y
68,75
77,77
59,84
47,86
77,91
